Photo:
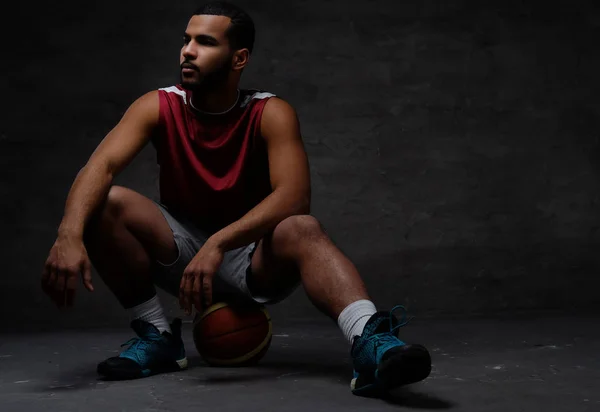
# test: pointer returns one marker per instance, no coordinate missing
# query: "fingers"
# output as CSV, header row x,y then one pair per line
x,y
87,275
62,268
60,287
70,286
206,292
47,283
185,288
53,281
46,278
181,289
59,284
195,288
197,292
46,273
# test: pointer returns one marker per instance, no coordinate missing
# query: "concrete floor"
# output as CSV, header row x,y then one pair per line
x,y
549,363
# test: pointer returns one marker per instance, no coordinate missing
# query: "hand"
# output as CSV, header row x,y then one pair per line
x,y
196,283
67,259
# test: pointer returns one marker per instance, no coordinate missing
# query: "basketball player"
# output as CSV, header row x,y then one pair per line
x,y
233,217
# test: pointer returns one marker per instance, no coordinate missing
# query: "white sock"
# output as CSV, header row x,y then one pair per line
x,y
354,317
152,312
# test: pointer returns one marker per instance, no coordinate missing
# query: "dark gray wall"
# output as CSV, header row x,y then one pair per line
x,y
453,144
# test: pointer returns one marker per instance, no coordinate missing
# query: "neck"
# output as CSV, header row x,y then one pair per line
x,y
215,101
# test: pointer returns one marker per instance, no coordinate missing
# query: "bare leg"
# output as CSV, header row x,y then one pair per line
x,y
123,239
299,248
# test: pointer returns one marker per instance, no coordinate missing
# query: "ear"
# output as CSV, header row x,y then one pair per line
x,y
240,59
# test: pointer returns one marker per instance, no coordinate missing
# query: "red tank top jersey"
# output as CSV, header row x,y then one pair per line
x,y
213,167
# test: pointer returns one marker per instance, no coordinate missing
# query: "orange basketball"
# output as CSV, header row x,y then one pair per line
x,y
228,334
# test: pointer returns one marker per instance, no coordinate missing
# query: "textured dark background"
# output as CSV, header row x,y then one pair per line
x,y
453,144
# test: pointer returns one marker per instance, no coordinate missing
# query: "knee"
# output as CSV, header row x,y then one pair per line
x,y
296,230
114,203
109,212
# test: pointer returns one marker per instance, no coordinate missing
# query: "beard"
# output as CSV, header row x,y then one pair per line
x,y
208,81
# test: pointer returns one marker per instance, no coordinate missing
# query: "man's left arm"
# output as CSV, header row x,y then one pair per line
x,y
289,174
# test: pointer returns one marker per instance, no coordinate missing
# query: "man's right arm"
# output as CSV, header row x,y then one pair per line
x,y
112,155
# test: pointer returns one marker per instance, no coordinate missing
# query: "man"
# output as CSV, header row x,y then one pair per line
x,y
233,217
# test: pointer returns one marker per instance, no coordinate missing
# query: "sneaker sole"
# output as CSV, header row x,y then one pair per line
x,y
127,374
407,364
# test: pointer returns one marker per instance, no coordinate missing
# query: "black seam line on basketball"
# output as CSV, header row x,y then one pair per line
x,y
232,331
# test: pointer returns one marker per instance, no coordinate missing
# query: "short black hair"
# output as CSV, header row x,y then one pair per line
x,y
240,32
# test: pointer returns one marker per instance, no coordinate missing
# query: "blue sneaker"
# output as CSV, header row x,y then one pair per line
x,y
148,354
382,361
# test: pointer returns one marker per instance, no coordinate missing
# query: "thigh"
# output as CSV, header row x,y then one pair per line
x,y
188,239
141,217
269,275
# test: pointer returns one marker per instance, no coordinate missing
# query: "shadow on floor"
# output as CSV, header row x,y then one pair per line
x,y
270,369
85,377
408,397
338,373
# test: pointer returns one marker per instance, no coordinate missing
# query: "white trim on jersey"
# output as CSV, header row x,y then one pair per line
x,y
175,90
257,95
247,99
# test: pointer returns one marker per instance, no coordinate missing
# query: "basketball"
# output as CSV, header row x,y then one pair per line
x,y
227,334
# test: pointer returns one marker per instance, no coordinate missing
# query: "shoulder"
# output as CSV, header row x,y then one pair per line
x,y
278,111
275,113
145,106
149,97
279,119
278,106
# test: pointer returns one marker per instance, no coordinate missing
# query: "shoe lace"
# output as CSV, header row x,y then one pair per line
x,y
403,321
137,343
389,338
384,340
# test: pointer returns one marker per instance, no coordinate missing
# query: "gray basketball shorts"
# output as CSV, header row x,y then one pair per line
x,y
230,281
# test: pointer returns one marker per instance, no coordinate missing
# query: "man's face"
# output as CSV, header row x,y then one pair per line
x,y
205,59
